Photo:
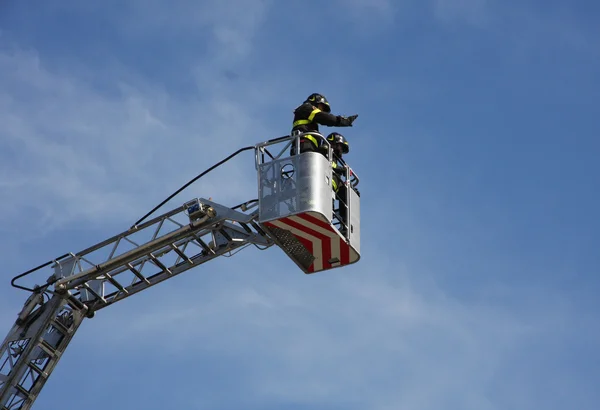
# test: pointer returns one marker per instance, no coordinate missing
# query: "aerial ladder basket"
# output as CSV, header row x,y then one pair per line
x,y
297,204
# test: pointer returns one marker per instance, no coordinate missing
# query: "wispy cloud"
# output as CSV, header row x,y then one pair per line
x,y
93,156
226,27
363,338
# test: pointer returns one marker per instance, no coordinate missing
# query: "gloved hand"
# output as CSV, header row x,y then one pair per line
x,y
346,121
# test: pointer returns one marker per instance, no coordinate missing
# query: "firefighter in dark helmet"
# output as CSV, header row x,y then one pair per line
x,y
339,146
307,117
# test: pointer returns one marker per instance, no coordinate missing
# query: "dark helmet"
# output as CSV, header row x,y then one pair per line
x,y
337,139
316,99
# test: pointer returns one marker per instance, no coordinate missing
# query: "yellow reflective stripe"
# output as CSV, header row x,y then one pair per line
x,y
334,184
312,139
309,137
310,119
314,112
301,122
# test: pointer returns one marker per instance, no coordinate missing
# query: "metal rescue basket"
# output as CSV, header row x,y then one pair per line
x,y
298,206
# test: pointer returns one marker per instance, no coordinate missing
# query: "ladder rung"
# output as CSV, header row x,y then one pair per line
x,y
225,234
259,229
93,292
203,244
50,351
137,273
160,264
22,390
60,327
181,254
36,369
115,283
246,227
75,303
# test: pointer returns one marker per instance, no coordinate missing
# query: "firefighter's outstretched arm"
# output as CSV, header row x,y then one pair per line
x,y
314,114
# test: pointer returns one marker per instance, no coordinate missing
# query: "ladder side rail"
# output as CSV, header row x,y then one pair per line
x,y
223,214
78,279
237,223
243,239
130,231
112,241
125,237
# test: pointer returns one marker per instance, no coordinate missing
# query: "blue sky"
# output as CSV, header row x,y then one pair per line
x,y
476,145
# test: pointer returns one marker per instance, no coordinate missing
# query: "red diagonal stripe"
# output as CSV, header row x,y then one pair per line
x,y
325,239
344,247
316,221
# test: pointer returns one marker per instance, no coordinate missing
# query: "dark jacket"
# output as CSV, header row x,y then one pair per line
x,y
338,171
307,118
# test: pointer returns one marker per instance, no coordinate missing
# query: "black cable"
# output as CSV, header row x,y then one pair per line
x,y
200,176
278,138
37,289
247,203
191,182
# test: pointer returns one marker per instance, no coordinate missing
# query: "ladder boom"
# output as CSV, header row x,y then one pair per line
x,y
33,348
81,284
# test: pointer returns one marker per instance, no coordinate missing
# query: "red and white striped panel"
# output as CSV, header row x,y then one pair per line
x,y
319,238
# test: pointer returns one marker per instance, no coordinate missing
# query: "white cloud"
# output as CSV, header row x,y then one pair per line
x,y
352,335
231,24
70,145
75,153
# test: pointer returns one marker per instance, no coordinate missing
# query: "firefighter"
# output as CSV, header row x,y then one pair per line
x,y
339,146
307,117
